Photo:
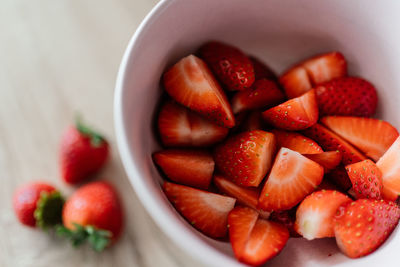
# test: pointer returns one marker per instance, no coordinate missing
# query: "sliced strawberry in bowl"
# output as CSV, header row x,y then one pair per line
x,y
292,177
261,70
191,83
371,136
252,121
189,167
295,82
296,142
339,177
329,159
246,157
207,212
295,114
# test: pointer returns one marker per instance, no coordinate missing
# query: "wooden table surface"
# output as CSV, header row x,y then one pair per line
x,y
57,58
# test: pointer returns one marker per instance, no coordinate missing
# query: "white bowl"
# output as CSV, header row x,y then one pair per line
x,y
279,32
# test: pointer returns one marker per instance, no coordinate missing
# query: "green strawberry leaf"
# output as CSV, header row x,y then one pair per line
x,y
48,211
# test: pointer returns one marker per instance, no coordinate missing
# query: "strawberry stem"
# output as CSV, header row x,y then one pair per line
x,y
48,211
96,139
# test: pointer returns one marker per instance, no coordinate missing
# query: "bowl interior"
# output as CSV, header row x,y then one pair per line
x,y
278,32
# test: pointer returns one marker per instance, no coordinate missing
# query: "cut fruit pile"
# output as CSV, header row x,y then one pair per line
x,y
263,158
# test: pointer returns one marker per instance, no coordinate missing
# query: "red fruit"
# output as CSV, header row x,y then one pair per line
x,y
38,204
189,167
314,216
371,136
330,141
253,121
327,185
292,177
207,212
390,168
329,160
339,177
254,240
347,96
363,225
295,114
94,211
296,142
192,84
262,71
304,76
232,67
246,158
287,218
83,152
261,95
366,179
178,126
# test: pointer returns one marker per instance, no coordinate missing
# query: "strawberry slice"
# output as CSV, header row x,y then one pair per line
x,y
330,141
178,126
262,71
295,114
292,177
371,136
347,96
189,167
296,142
262,94
207,212
253,121
390,168
314,216
363,226
366,179
254,240
304,76
329,160
232,67
192,84
246,158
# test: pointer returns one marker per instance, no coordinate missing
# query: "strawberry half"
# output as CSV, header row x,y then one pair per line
x,y
261,95
296,142
232,67
180,127
189,167
329,160
295,114
192,84
366,179
347,96
292,177
262,71
390,168
246,158
363,225
371,136
254,240
207,212
304,76
314,216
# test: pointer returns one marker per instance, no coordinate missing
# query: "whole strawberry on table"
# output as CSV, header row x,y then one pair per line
x,y
261,158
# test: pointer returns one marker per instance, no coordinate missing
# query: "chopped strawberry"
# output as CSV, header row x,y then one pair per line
x,y
178,126
292,177
296,142
366,179
347,96
208,212
329,160
330,141
189,167
327,185
287,218
295,114
390,168
253,121
339,177
304,76
254,240
314,216
232,67
246,158
262,94
363,225
371,136
192,84
262,71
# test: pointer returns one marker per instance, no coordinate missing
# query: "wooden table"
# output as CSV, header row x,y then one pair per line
x,y
57,58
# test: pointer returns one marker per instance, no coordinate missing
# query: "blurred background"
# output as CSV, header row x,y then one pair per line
x,y
58,58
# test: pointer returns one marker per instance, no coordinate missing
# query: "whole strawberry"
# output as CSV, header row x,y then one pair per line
x,y
83,152
38,204
232,67
92,213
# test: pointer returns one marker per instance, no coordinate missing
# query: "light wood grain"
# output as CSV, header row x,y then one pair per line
x,y
56,58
